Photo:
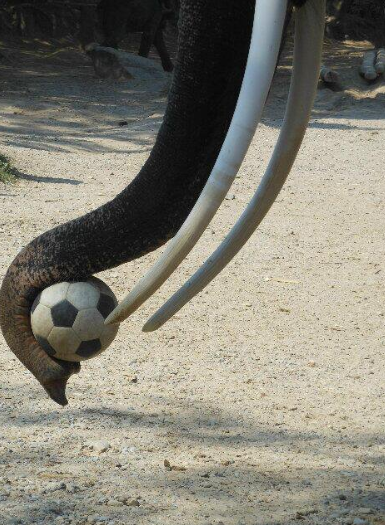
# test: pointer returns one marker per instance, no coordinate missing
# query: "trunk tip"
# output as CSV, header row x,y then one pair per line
x,y
56,391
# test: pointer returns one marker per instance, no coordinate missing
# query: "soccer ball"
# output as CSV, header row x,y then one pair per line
x,y
67,319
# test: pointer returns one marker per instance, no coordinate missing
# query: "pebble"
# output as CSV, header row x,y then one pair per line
x,y
132,503
128,450
168,466
129,501
98,446
365,510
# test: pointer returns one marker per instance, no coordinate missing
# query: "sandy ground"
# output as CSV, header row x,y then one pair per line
x,y
266,393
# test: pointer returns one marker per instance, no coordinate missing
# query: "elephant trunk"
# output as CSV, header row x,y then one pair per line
x,y
213,48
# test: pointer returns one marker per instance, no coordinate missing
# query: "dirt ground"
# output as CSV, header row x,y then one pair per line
x,y
265,395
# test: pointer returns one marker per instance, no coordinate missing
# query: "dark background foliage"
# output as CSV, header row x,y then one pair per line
x,y
358,20
354,19
45,18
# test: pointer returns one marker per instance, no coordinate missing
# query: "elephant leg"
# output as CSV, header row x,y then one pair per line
x,y
148,36
145,44
114,27
163,51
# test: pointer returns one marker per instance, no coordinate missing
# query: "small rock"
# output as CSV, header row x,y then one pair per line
x,y
129,501
89,483
132,503
342,497
365,511
177,468
230,197
128,450
122,123
98,446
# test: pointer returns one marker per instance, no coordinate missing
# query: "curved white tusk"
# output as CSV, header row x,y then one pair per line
x,y
264,48
307,61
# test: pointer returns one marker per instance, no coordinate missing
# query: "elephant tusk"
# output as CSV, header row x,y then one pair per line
x,y
307,61
263,56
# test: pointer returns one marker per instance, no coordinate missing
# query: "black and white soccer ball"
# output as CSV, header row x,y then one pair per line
x,y
67,319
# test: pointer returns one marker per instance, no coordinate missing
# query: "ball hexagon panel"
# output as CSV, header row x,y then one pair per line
x,y
42,322
89,324
83,295
64,313
64,341
54,294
